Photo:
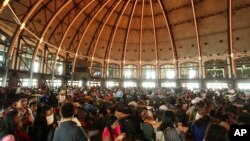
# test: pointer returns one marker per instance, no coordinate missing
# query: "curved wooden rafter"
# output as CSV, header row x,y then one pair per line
x,y
141,32
15,37
61,21
197,39
126,37
114,32
43,34
171,37
100,33
155,40
85,31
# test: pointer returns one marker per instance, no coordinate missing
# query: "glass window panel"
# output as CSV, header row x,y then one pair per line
x,y
148,84
191,85
148,72
93,83
113,71
189,70
244,86
129,84
168,84
216,86
75,83
96,70
26,82
110,84
130,71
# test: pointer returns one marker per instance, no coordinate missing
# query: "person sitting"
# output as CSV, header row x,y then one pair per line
x,y
68,129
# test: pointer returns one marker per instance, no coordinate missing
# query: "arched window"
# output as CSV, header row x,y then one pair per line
x,y
216,69
243,67
148,72
130,71
189,70
96,69
113,71
167,71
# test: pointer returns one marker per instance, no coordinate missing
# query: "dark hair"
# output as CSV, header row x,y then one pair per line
x,y
109,123
67,110
243,119
8,125
216,132
168,120
33,103
204,121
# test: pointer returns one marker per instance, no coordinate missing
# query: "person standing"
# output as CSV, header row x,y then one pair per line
x,y
68,129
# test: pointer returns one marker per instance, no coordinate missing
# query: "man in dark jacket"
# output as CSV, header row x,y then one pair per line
x,y
68,129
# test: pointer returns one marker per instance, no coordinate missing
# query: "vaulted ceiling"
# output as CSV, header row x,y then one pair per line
x,y
137,30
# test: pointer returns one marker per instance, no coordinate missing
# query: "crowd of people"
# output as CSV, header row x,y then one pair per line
x,y
120,114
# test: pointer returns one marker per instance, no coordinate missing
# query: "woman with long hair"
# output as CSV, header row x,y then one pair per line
x,y
170,131
112,131
9,126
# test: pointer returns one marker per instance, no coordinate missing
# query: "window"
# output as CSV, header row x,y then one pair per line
x,y
93,83
75,83
216,68
96,69
168,84
148,84
190,85
189,70
130,71
216,86
4,43
129,84
26,82
113,71
26,55
56,83
1,79
110,84
37,64
167,71
59,66
244,86
50,60
148,72
243,67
